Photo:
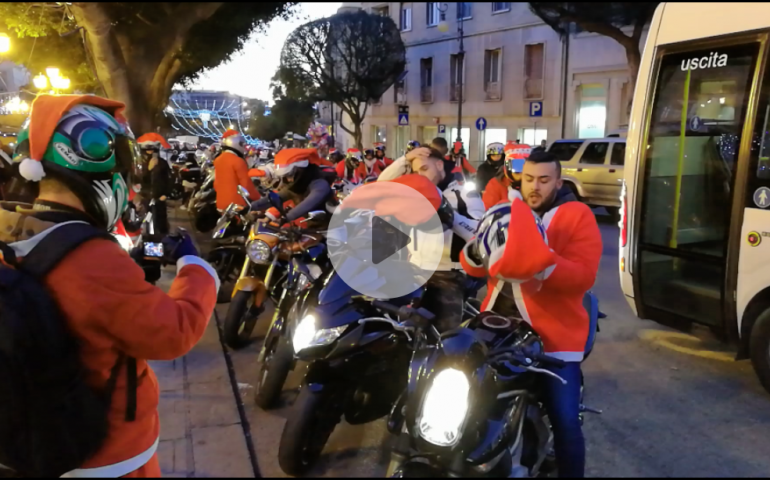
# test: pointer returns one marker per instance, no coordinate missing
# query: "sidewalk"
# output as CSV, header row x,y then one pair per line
x,y
200,428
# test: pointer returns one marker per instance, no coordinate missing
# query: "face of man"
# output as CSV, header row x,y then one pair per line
x,y
379,154
540,184
496,158
430,168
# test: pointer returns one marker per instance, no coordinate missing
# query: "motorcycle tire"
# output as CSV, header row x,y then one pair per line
x,y
309,426
227,270
177,191
279,362
240,320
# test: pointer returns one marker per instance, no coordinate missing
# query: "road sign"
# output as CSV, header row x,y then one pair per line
x,y
403,109
481,123
403,119
442,129
762,197
695,123
535,109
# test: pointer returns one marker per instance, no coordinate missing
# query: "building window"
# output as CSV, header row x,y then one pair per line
x,y
457,76
592,116
399,91
379,134
533,71
466,138
433,15
500,7
533,137
428,134
464,10
406,17
384,11
402,137
426,80
492,71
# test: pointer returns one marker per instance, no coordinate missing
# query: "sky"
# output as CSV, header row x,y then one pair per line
x,y
249,72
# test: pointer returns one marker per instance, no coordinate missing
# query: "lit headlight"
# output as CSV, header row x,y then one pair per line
x,y
258,251
469,186
306,335
445,408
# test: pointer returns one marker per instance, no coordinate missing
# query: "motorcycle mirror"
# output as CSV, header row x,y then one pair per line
x,y
243,193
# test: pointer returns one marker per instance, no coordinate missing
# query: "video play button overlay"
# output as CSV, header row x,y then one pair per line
x,y
386,240
392,241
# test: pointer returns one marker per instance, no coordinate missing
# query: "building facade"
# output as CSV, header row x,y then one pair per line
x,y
520,80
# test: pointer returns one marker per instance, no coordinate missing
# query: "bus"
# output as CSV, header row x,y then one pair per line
x,y
695,202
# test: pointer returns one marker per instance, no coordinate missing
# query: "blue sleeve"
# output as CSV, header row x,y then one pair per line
x,y
319,189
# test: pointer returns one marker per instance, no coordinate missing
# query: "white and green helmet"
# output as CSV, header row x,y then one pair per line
x,y
94,155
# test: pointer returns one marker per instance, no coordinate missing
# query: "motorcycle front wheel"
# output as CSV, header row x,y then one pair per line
x,y
227,266
311,423
241,319
278,363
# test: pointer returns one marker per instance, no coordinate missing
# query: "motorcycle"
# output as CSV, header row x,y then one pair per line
x,y
285,258
229,251
473,406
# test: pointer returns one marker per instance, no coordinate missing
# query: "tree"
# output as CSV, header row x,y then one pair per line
x,y
606,19
349,59
286,115
139,51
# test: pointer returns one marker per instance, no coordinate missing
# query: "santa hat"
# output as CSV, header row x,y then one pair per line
x,y
153,137
229,133
378,196
379,145
517,151
290,158
46,112
354,152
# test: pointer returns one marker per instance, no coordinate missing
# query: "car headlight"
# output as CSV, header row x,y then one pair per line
x,y
306,335
445,408
259,252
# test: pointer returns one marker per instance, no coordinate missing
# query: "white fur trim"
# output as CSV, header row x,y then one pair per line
x,y
286,169
271,216
514,194
116,470
193,260
567,356
31,170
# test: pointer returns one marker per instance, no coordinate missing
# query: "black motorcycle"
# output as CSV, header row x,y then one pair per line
x,y
473,405
358,363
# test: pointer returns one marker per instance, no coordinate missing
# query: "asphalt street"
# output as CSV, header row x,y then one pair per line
x,y
674,405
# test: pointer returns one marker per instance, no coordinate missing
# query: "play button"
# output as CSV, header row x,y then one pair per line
x,y
391,240
386,240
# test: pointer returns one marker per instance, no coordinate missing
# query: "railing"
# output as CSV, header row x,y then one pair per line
x,y
493,91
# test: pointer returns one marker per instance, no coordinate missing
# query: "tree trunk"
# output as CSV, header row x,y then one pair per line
x,y
139,71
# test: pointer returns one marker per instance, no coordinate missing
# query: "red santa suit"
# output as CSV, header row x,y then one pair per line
x,y
549,264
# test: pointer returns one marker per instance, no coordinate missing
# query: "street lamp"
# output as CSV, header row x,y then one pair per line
x,y
53,77
5,43
443,26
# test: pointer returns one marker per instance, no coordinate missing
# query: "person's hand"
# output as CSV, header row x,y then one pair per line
x,y
178,245
162,198
421,152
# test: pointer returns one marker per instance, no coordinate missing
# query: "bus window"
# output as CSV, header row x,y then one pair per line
x,y
695,128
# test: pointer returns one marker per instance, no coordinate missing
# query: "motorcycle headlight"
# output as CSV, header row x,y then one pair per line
x,y
445,408
469,186
259,252
306,335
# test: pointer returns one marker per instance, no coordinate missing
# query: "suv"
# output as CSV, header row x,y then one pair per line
x,y
593,169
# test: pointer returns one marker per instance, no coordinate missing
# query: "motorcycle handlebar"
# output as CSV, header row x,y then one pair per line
x,y
546,360
403,312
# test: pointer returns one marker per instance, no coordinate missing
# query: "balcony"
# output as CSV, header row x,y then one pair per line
x,y
454,93
426,94
533,89
492,91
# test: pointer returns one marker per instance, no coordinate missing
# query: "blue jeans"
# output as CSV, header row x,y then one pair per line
x,y
562,402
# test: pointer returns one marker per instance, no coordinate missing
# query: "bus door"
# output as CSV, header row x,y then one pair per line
x,y
698,111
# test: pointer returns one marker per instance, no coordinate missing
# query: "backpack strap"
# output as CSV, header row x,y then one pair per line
x,y
55,243
43,257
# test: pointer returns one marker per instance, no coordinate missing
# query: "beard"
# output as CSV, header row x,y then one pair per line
x,y
539,203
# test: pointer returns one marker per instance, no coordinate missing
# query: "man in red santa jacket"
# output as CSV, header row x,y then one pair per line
x,y
542,253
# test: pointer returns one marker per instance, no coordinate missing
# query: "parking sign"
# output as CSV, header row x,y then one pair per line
x,y
535,109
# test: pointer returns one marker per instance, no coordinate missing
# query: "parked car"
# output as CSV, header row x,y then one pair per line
x,y
593,169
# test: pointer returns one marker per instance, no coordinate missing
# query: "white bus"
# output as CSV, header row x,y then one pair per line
x,y
695,222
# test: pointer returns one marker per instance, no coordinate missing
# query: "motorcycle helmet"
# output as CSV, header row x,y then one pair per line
x,y
234,141
369,153
84,142
411,145
379,150
495,149
353,158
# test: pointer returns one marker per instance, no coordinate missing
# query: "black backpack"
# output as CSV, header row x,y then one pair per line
x,y
51,421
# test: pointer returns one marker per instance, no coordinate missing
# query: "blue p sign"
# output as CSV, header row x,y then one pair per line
x,y
535,109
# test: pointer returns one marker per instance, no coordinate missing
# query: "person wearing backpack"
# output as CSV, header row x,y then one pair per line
x,y
78,322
